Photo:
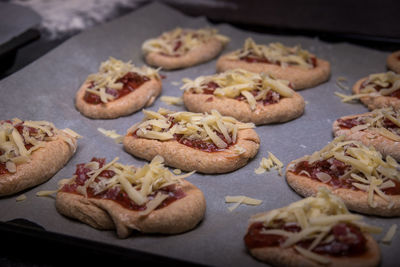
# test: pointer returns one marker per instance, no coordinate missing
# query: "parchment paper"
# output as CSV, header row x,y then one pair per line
x,y
45,90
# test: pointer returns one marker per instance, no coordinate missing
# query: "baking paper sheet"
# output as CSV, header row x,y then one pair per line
x,y
45,90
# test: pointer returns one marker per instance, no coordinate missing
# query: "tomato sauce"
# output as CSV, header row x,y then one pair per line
x,y
117,194
348,239
131,81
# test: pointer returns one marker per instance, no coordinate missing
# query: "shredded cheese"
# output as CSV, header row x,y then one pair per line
x,y
180,41
369,171
387,239
266,164
389,81
21,198
316,216
164,124
376,122
108,76
172,100
239,82
140,184
241,200
276,53
20,139
340,83
112,134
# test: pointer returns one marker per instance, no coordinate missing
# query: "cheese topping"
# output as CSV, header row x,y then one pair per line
x,y
385,122
234,83
19,139
316,216
387,239
21,198
212,128
241,200
112,134
387,83
110,72
180,41
140,184
266,164
275,53
368,171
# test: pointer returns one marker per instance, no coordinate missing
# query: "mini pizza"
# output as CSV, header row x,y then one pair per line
x,y
294,64
31,152
358,174
207,143
379,90
244,95
182,48
379,128
393,61
150,199
118,89
315,231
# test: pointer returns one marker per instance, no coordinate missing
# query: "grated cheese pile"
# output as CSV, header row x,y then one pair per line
x,y
276,53
13,144
110,72
375,123
238,82
266,164
368,171
180,41
390,82
316,216
164,124
138,183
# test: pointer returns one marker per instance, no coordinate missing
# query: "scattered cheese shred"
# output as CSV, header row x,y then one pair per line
x,y
112,134
172,100
21,198
165,124
340,83
180,41
315,216
387,239
241,200
276,53
240,83
266,164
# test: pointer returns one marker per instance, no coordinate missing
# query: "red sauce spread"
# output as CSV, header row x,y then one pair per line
x,y
349,123
117,194
130,81
336,168
3,169
255,59
379,87
348,239
271,97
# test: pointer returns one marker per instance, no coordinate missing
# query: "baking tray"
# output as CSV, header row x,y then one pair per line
x,y
45,90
